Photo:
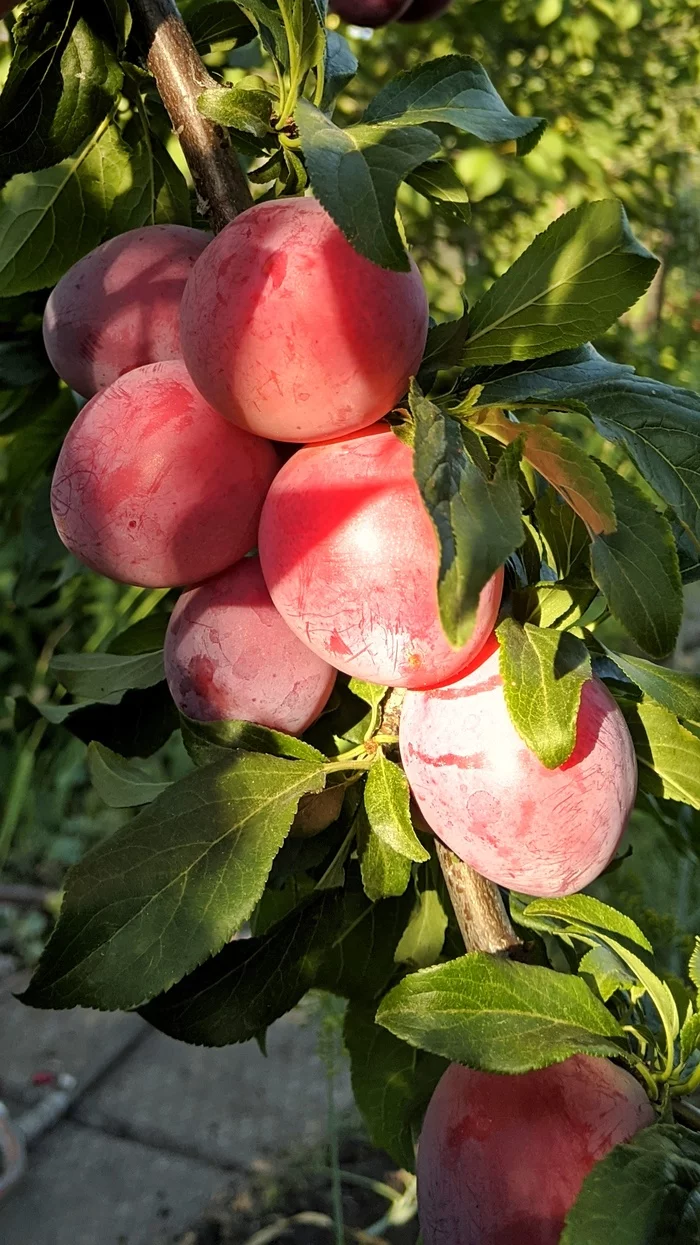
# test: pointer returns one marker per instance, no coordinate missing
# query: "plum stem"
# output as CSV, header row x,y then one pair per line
x,y
220,183
478,907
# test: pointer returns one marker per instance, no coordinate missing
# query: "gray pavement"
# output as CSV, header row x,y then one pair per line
x,y
155,1129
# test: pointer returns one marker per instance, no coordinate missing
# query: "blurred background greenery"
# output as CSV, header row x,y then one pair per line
x,y
618,82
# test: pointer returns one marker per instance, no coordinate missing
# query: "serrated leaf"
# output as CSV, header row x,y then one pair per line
x,y
571,471
50,219
121,782
445,345
551,604
355,174
62,81
636,568
453,90
659,425
423,938
499,1016
566,541
694,965
96,675
372,693
172,887
676,691
338,942
266,18
690,1037
607,970
392,1083
213,741
248,111
340,67
543,673
477,522
387,804
305,22
163,197
438,182
647,1191
582,911
385,872
668,755
570,284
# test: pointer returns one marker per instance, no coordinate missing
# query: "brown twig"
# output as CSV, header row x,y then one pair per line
x,y
478,907
221,185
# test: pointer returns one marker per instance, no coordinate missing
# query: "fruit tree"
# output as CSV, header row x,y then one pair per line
x,y
382,552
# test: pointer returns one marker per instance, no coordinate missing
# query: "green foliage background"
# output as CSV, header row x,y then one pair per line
x,y
617,80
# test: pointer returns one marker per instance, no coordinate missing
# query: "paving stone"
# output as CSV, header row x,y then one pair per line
x,y
85,1188
79,1042
229,1106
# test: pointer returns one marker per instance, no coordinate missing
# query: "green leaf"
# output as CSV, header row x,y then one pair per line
x,y
477,522
137,725
690,1037
445,344
636,567
96,675
385,871
265,16
677,692
454,90
248,111
543,673
668,755
500,1016
437,181
154,190
50,219
62,82
649,1188
551,604
572,283
171,887
35,445
566,541
338,941
607,970
355,174
572,472
372,693
387,804
582,912
340,67
216,24
121,783
658,424
213,741
305,21
392,1084
694,965
119,18
423,938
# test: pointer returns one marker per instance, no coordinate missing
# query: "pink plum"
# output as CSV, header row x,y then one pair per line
x,y
229,654
351,561
488,797
153,487
119,307
501,1159
292,334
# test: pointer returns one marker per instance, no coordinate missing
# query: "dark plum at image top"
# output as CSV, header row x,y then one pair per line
x,y
118,308
541,831
229,654
350,559
291,333
152,487
370,13
502,1158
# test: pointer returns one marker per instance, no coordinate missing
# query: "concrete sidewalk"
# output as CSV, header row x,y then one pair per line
x,y
156,1128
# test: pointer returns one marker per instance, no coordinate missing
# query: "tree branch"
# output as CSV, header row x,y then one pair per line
x,y
478,907
221,185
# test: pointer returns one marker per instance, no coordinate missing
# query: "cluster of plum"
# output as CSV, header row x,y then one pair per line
x,y
375,13
207,364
